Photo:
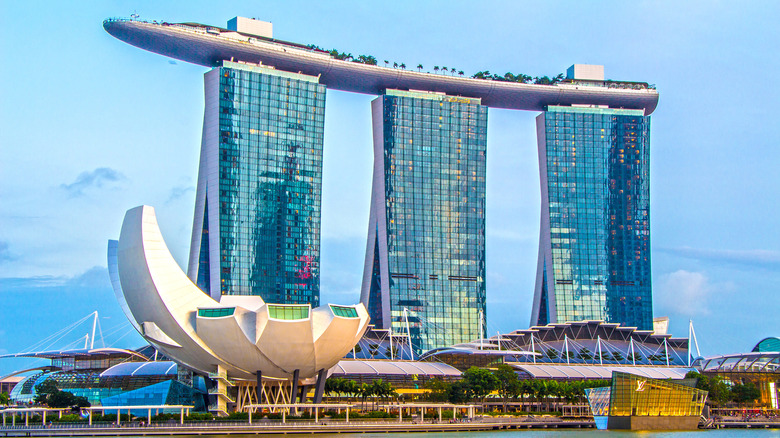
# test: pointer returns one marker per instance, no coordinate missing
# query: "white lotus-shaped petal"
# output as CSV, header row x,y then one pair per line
x,y
241,334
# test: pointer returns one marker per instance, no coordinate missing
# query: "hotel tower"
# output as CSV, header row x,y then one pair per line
x,y
425,258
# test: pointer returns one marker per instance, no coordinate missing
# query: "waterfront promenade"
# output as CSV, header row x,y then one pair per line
x,y
272,427
297,427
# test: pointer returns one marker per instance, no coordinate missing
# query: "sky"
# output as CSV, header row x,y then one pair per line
x,y
91,126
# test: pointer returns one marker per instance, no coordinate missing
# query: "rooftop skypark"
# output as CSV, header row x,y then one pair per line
x,y
208,45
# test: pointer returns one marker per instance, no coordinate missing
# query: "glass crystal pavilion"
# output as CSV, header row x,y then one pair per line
x,y
426,238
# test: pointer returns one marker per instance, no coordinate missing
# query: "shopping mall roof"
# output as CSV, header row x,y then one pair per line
x,y
754,362
77,353
141,369
592,372
591,330
388,367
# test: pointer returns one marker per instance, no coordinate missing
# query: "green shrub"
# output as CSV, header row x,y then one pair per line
x,y
199,416
238,416
378,414
72,418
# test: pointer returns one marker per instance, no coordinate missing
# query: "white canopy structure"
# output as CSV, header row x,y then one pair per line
x,y
586,372
239,336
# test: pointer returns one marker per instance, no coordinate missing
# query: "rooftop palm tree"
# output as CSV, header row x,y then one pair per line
x,y
460,73
395,65
436,68
403,66
419,67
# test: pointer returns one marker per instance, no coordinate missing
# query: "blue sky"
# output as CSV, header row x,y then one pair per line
x,y
90,127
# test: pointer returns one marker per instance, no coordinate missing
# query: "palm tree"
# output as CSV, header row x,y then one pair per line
x,y
419,67
445,69
403,66
395,65
460,73
436,68
387,63
5,399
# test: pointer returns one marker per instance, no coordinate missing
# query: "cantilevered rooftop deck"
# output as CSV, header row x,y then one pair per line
x,y
208,45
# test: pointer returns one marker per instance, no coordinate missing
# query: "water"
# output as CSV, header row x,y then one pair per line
x,y
591,433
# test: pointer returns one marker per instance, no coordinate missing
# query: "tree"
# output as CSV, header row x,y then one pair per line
x,y
544,80
48,394
551,353
482,75
437,390
387,63
393,351
435,68
44,390
364,391
403,66
718,391
481,381
395,65
334,386
419,67
5,399
459,392
366,59
508,383
745,393
461,73
351,387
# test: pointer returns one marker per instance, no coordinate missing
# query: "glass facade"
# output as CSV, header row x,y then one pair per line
x,y
344,312
594,260
263,137
633,395
216,313
169,392
288,312
427,230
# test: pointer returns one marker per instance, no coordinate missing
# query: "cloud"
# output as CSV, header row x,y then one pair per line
x,y
754,258
5,253
95,277
687,293
179,192
97,178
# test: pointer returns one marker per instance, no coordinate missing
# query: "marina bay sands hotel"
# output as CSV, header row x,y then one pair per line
x,y
257,215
